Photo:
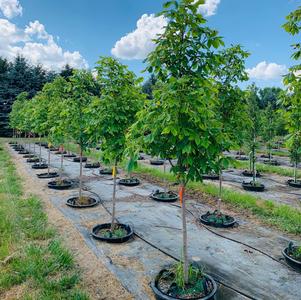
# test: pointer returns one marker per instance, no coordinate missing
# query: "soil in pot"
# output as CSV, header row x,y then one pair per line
x,y
69,155
33,160
250,186
77,159
94,165
292,255
60,184
217,219
211,176
272,162
106,171
200,286
122,233
249,173
48,175
129,181
293,183
157,162
82,202
39,166
164,196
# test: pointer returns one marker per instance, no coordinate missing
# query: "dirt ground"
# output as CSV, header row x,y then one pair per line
x,y
98,281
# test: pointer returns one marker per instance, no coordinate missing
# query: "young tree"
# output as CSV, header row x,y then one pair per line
x,y
181,121
269,128
58,95
254,128
231,107
115,112
77,118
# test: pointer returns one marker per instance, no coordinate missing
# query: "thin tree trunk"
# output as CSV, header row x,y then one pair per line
x,y
184,230
61,168
48,160
164,180
80,174
114,197
295,172
40,155
219,201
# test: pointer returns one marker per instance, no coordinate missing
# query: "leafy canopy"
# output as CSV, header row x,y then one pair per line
x,y
116,109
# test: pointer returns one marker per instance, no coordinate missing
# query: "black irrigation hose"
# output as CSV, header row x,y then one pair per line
x,y
236,241
168,254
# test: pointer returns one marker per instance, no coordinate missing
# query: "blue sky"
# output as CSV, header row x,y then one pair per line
x,y
78,31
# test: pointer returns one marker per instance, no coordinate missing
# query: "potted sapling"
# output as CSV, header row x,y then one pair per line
x,y
115,112
183,118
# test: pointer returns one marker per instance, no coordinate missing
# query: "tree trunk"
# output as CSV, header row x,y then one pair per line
x,y
219,201
295,172
114,197
48,160
40,155
164,180
80,174
184,230
61,168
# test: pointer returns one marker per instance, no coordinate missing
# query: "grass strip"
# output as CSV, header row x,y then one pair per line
x,y
33,261
284,217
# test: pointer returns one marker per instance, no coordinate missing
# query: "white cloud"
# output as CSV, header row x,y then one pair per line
x,y
267,71
36,45
209,8
139,43
10,8
37,29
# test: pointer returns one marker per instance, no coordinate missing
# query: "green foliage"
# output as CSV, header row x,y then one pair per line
x,y
115,110
293,26
180,122
76,116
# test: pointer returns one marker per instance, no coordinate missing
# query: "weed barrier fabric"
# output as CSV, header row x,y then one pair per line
x,y
242,271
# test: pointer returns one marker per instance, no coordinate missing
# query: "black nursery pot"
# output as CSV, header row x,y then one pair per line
x,y
297,184
264,156
19,149
38,166
54,149
69,155
248,173
73,202
243,158
157,162
296,264
23,152
63,185
44,145
211,176
129,181
213,219
92,165
60,152
162,296
33,160
248,186
29,155
97,228
48,175
273,162
164,197
77,159
106,171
